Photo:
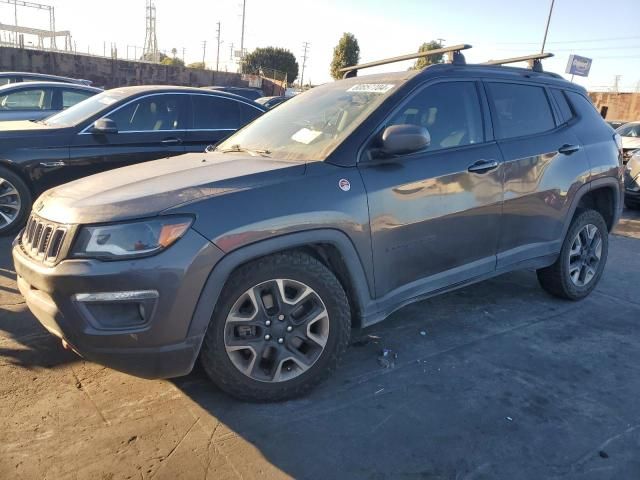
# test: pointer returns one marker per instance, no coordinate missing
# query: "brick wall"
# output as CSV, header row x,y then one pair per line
x,y
108,73
621,106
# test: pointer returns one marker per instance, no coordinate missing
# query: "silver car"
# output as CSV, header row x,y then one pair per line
x,y
38,100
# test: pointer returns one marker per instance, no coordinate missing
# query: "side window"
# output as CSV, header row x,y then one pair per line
x,y
215,113
449,111
520,109
71,97
29,99
157,112
582,106
5,80
561,100
248,113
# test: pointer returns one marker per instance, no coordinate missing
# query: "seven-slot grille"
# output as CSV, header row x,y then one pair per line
x,y
42,239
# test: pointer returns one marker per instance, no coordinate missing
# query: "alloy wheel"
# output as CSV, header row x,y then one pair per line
x,y
276,330
10,203
584,255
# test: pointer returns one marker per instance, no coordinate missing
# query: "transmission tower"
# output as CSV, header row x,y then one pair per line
x,y
150,51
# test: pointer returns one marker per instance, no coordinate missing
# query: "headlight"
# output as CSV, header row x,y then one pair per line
x,y
131,239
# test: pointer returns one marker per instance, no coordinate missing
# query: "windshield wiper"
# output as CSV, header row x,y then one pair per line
x,y
253,153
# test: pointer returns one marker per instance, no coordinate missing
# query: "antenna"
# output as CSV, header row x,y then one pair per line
x,y
150,50
534,61
455,57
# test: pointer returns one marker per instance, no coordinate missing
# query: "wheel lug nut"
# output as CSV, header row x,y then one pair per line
x,y
281,340
289,328
267,337
280,317
267,323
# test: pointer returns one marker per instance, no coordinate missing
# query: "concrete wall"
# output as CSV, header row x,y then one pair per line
x,y
108,73
621,106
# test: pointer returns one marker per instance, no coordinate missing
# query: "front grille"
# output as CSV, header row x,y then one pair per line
x,y
43,240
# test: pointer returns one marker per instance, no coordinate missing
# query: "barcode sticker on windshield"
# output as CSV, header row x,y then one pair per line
x,y
371,87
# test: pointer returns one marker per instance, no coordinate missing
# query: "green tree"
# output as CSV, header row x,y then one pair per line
x,y
173,62
426,61
199,65
345,54
271,58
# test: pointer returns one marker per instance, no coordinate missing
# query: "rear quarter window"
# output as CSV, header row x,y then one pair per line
x,y
520,110
565,110
583,107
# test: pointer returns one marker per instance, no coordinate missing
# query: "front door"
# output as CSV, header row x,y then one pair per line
x,y
435,215
149,128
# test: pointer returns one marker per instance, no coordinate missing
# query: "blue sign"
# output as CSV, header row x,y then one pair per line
x,y
579,65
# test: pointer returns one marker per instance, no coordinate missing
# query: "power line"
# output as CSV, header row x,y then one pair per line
x,y
591,40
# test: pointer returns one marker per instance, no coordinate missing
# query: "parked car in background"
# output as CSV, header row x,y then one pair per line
x,y
37,100
112,129
333,210
271,102
615,123
246,92
630,134
17,77
632,182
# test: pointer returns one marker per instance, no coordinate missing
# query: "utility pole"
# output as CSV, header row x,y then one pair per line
x,y
546,30
244,9
231,52
616,83
183,50
204,51
218,54
306,46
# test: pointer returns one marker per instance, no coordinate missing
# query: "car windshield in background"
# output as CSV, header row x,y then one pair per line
x,y
629,130
311,125
85,109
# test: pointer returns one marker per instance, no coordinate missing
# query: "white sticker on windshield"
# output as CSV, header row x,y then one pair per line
x,y
371,87
107,100
306,136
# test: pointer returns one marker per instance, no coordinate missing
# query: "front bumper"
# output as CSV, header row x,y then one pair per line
x,y
162,345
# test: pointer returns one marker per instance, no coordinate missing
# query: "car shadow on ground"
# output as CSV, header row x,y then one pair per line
x,y
491,381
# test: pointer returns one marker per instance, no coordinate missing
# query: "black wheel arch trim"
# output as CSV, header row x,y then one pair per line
x,y
605,182
361,288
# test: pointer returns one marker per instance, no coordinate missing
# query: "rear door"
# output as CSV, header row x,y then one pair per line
x,y
150,127
544,165
215,118
435,215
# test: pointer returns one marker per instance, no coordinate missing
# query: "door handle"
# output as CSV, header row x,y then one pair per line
x,y
171,141
52,164
567,149
483,166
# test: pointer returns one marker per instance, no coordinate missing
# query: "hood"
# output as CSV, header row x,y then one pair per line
x,y
149,188
22,126
630,142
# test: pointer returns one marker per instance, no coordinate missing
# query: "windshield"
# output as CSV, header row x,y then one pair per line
x,y
311,125
85,109
629,130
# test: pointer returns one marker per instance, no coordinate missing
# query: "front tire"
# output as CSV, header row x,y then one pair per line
x,y
582,259
280,327
15,202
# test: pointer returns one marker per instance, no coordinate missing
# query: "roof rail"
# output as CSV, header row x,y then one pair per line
x,y
456,58
534,61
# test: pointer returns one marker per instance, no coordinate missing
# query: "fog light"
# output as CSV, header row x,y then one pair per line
x,y
117,310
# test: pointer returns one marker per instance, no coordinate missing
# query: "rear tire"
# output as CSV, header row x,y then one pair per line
x,y
15,202
279,328
577,271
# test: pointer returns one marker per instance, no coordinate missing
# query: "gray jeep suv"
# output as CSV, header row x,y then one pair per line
x,y
326,214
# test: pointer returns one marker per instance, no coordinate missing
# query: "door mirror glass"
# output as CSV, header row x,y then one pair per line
x,y
104,125
405,138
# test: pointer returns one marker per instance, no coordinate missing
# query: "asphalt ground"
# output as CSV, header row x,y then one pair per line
x,y
497,380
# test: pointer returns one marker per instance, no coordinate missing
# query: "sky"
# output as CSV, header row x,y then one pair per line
x,y
607,32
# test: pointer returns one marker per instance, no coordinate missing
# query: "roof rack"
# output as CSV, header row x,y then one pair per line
x,y
534,61
456,58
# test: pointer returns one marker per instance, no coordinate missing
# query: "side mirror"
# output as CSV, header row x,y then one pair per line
x,y
403,139
104,125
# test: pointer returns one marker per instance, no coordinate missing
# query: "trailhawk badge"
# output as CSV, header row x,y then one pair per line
x,y
344,185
